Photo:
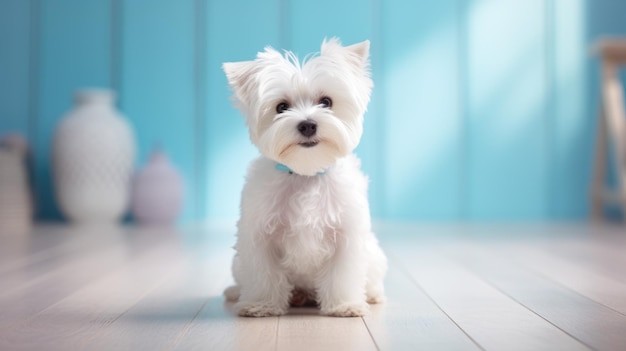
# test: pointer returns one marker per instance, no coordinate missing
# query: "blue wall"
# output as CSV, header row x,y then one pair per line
x,y
482,110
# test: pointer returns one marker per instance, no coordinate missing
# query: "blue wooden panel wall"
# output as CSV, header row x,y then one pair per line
x,y
573,124
507,127
421,114
15,62
482,109
158,81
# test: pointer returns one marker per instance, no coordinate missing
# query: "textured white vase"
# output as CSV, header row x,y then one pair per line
x,y
157,194
93,157
16,208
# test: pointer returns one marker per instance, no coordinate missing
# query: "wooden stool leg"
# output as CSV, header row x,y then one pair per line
x,y
615,117
599,169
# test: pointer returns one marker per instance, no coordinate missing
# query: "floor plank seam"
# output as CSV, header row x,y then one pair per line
x,y
602,270
183,332
131,306
276,335
489,282
33,259
70,265
58,270
401,267
538,273
29,319
562,256
370,333
544,276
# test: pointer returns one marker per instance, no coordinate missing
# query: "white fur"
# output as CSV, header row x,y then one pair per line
x,y
305,231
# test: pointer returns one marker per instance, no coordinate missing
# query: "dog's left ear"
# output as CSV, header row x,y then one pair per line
x,y
356,53
361,50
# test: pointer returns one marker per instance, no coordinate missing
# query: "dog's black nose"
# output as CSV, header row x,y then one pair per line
x,y
307,128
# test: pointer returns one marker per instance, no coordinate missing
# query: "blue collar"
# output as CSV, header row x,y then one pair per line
x,y
282,168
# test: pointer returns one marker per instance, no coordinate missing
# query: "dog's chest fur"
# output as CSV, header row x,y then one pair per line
x,y
308,222
304,217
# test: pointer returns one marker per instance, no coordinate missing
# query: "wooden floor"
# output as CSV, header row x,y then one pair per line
x,y
450,287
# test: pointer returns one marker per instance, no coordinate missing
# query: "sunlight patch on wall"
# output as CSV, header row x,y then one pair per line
x,y
422,112
503,53
419,72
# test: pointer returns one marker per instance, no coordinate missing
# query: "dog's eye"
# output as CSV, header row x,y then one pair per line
x,y
326,102
282,107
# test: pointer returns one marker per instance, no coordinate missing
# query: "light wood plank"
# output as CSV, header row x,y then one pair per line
x,y
411,321
160,317
42,242
305,329
78,318
43,291
217,327
492,319
576,315
81,243
607,260
598,247
576,276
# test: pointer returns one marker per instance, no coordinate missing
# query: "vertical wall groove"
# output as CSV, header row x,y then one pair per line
x,y
33,69
285,24
33,92
116,48
199,108
378,202
550,110
590,106
463,211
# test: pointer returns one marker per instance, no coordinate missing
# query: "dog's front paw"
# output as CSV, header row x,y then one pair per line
x,y
354,309
258,309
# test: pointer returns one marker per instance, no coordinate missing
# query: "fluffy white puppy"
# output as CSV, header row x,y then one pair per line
x,y
305,230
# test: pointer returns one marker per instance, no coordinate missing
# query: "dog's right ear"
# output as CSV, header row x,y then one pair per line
x,y
240,77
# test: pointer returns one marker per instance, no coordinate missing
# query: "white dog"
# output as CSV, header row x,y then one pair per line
x,y
305,230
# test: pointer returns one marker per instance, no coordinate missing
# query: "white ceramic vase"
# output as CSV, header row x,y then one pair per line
x,y
16,209
157,194
93,157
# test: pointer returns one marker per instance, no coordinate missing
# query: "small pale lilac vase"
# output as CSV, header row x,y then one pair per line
x,y
157,192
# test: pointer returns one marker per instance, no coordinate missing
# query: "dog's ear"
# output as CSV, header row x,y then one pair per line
x,y
361,51
240,77
358,54
243,76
